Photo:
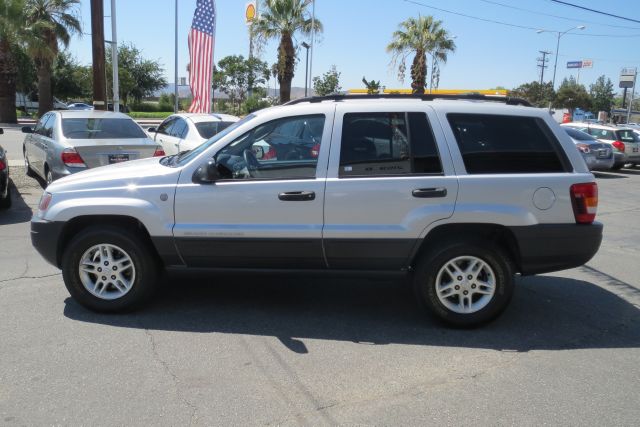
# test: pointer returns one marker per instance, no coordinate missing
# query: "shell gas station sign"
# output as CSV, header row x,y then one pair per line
x,y
250,12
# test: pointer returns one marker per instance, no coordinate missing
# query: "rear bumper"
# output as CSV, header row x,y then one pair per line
x,y
545,248
45,237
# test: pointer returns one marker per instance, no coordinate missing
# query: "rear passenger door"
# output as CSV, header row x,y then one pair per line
x,y
390,177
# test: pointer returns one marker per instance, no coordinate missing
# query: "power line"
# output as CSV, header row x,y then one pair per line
x,y
582,21
595,11
516,25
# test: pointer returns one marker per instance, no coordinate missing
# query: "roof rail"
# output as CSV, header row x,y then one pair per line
x,y
509,100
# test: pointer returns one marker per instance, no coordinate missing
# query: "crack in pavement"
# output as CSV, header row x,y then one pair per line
x,y
28,277
174,377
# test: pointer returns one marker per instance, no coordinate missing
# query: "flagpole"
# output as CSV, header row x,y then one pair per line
x,y
175,72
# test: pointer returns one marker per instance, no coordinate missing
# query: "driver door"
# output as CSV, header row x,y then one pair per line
x,y
267,210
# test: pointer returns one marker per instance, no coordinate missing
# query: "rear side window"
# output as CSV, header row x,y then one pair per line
x,y
380,144
208,129
505,144
627,135
606,134
79,128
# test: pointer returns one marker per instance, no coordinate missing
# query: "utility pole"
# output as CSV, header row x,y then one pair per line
x,y
542,64
97,44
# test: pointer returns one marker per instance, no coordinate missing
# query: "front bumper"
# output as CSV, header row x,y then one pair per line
x,y
45,237
544,248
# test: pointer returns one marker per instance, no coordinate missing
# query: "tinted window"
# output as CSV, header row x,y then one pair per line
x,y
39,129
165,127
179,129
375,144
208,129
81,128
578,134
627,135
280,149
47,128
505,144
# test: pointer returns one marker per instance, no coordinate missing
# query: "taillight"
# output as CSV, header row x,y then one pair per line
x,y
71,158
159,152
315,151
619,145
584,198
584,148
3,165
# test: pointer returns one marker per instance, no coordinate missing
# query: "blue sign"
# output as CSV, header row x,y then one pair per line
x,y
574,64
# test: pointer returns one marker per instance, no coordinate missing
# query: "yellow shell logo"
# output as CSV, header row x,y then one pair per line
x,y
250,13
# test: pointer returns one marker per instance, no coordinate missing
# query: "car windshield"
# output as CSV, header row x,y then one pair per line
x,y
86,128
628,135
579,135
188,156
208,129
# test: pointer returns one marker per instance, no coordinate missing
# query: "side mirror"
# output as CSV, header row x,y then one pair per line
x,y
207,173
27,129
258,151
152,130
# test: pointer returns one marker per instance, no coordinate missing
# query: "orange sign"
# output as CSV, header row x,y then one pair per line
x,y
250,12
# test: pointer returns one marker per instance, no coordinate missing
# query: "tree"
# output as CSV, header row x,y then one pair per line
x,y
67,79
602,94
234,74
49,23
372,86
572,95
537,94
283,19
137,77
11,27
327,84
420,36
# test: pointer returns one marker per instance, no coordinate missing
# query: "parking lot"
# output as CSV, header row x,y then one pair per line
x,y
292,350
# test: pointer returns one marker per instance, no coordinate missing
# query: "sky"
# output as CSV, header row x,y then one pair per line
x,y
497,40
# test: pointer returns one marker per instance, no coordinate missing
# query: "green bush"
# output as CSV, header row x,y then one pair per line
x,y
150,115
147,107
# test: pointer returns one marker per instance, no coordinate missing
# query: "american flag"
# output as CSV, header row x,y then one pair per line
x,y
201,41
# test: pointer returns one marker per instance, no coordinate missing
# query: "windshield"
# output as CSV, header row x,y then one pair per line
x,y
188,156
83,128
208,129
579,135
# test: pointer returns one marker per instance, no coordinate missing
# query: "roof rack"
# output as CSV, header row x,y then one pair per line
x,y
509,100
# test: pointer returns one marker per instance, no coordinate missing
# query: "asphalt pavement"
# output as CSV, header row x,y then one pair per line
x,y
255,350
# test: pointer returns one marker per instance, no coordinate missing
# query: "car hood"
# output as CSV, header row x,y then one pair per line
x,y
136,172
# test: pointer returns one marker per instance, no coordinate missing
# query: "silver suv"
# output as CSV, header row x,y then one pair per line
x,y
459,193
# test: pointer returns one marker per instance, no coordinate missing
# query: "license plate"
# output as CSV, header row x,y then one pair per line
x,y
117,158
602,153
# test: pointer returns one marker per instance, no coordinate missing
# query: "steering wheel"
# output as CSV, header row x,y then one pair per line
x,y
251,160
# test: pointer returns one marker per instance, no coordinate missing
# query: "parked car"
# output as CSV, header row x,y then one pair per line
x,y
459,194
625,142
29,103
79,106
185,131
5,191
66,142
597,155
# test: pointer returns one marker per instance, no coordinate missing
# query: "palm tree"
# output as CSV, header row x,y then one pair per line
x,y
11,16
49,22
282,19
421,36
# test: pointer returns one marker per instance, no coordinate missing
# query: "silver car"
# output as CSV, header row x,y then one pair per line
x,y
597,155
65,142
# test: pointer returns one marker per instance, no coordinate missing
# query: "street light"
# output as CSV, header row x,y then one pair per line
x,y
306,70
560,34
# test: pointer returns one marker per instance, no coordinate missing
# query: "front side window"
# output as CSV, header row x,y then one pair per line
x,y
82,128
286,148
47,128
505,144
379,144
39,129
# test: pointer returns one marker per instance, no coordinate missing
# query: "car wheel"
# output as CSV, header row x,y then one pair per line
x,y
28,170
464,283
109,269
49,175
5,202
617,166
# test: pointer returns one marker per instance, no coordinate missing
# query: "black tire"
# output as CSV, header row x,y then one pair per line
x,y
5,202
617,166
146,268
430,264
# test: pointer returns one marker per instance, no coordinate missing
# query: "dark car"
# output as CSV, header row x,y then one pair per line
x,y
5,192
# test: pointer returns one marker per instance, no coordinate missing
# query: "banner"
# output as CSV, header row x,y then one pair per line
x,y
201,42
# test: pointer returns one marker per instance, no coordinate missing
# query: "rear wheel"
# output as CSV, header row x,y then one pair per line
x,y
464,283
109,269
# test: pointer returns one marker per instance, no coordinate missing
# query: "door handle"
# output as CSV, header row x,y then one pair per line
x,y
427,193
297,196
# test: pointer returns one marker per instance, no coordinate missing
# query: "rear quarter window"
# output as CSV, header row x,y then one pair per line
x,y
492,144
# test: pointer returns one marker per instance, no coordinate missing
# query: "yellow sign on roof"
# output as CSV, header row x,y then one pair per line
x,y
498,92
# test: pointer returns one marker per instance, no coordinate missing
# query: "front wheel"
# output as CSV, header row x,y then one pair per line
x,y
465,283
109,269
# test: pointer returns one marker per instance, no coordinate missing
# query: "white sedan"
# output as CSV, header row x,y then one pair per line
x,y
186,131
